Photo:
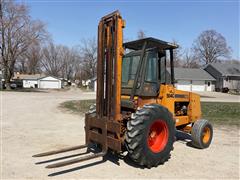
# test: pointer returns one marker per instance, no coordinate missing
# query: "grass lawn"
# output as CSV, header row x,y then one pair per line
x,y
74,106
221,113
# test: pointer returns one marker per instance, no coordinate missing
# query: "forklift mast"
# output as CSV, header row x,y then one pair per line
x,y
109,66
105,128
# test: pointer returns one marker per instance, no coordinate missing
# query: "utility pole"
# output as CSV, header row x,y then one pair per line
x,y
1,70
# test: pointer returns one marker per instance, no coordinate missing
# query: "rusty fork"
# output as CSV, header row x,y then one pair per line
x,y
72,161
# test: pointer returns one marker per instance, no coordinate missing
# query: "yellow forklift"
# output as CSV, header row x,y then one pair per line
x,y
137,109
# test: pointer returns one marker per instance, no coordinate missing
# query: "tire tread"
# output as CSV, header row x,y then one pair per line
x,y
134,135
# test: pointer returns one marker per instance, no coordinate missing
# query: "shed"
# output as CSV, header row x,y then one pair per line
x,y
49,82
193,79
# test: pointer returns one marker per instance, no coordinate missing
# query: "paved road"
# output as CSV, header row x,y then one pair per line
x,y
33,123
218,97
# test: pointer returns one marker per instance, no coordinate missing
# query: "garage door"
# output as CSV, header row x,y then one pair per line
x,y
184,85
198,85
49,84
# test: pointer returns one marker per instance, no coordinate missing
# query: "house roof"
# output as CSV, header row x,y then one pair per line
x,y
191,74
227,69
43,77
28,76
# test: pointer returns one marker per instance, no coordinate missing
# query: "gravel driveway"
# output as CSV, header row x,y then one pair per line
x,y
33,123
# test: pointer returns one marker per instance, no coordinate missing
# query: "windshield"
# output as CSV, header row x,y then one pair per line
x,y
129,70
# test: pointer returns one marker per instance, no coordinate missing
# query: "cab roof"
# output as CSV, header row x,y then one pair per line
x,y
151,43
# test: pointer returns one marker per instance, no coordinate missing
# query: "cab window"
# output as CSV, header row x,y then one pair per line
x,y
151,72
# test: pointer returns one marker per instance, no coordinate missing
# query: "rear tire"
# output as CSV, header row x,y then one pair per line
x,y
202,133
150,135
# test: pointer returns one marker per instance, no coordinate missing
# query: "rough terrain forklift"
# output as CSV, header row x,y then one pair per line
x,y
138,109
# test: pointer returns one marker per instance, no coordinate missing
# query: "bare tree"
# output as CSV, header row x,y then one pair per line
x,y
51,63
64,57
177,55
17,32
77,75
21,64
33,59
189,60
88,50
70,59
211,45
141,34
60,61
29,61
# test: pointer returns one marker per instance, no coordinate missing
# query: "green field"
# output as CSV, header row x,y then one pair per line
x,y
221,113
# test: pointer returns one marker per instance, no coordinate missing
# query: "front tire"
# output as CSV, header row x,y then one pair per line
x,y
150,135
202,133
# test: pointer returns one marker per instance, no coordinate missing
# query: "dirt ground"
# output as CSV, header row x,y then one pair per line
x,y
33,123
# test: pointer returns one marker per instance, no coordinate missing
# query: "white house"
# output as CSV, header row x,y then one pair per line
x,y
38,81
193,79
49,82
28,80
227,75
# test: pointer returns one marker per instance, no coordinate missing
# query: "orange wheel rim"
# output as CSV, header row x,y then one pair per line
x,y
158,136
206,135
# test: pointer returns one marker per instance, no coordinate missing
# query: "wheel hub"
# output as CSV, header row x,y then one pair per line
x,y
206,135
158,136
153,134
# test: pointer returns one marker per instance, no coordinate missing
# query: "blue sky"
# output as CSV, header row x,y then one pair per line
x,y
71,21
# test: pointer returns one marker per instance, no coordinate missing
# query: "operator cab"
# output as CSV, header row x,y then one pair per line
x,y
144,67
